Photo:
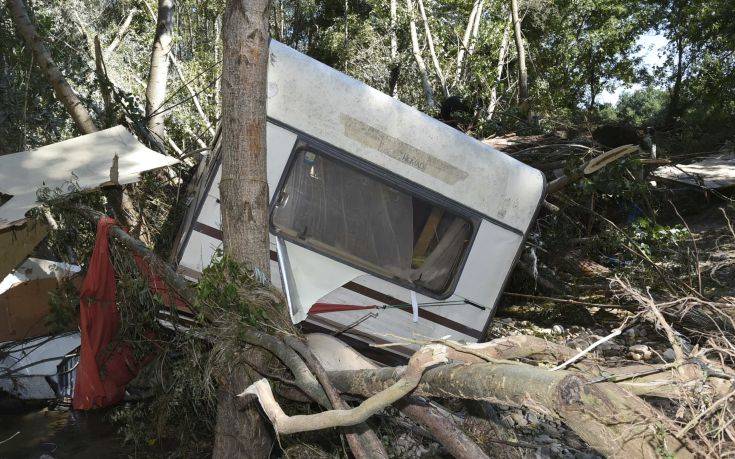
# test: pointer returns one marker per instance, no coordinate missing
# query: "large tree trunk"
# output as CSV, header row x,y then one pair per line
x,y
244,197
611,420
432,51
42,56
428,92
502,55
155,92
523,102
395,66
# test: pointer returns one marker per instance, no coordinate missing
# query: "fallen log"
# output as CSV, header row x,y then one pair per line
x,y
656,380
610,419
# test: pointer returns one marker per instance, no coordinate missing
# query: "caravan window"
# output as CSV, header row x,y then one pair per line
x,y
347,214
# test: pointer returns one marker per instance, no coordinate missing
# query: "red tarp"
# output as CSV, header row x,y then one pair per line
x,y
106,366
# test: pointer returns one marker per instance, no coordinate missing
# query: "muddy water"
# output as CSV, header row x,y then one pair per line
x,y
59,434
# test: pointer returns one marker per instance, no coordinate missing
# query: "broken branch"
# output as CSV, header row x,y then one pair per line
x,y
423,359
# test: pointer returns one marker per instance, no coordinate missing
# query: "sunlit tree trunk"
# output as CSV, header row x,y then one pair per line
x,y
241,432
432,51
43,58
395,66
502,56
158,76
428,92
466,38
121,32
473,36
523,101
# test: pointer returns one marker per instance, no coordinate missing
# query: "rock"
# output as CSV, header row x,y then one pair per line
x,y
669,355
507,421
544,439
553,432
532,418
629,335
557,329
640,352
519,419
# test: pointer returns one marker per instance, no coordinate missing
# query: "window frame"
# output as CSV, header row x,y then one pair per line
x,y
375,172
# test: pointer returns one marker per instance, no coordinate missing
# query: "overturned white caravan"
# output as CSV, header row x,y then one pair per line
x,y
384,222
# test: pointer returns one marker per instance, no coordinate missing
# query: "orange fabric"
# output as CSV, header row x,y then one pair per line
x,y
103,367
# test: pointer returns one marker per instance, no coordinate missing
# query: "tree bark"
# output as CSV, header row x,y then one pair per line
x,y
432,51
475,28
473,38
395,66
158,77
428,92
42,56
502,55
244,197
523,102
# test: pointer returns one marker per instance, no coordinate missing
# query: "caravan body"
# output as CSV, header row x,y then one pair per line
x,y
376,210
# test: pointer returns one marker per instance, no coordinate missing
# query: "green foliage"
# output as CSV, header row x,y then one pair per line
x,y
177,420
63,308
644,107
576,50
222,286
650,235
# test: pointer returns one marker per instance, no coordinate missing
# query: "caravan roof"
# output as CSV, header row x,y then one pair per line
x,y
310,97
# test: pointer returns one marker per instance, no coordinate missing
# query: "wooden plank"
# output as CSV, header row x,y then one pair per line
x,y
17,242
427,234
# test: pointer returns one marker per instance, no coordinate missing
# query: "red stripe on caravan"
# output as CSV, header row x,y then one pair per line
x,y
370,293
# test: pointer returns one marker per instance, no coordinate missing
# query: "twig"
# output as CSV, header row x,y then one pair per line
x,y
569,301
10,437
712,408
670,334
589,349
